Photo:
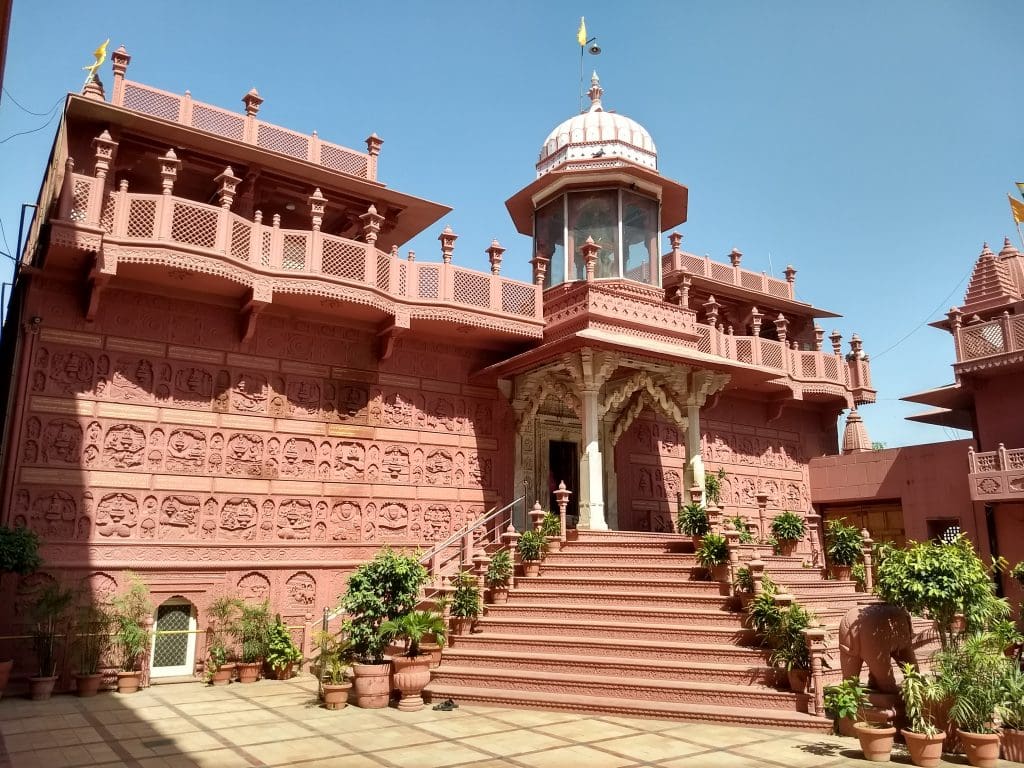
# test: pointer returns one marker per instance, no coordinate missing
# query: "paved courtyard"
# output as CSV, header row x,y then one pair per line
x,y
279,723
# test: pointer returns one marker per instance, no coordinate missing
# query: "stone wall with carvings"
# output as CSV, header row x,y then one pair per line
x,y
152,439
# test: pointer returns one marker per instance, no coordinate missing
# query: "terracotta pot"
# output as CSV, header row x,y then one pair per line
x,y
371,685
875,743
433,650
5,673
410,676
40,688
129,682
720,572
696,542
554,544
461,625
284,673
1013,745
798,680
786,547
88,685
499,595
925,751
842,572
336,696
982,749
222,675
248,672
531,568
844,727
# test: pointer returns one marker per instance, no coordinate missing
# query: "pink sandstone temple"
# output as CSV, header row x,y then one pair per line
x,y
229,379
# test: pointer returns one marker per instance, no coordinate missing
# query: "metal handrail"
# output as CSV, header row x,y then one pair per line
x,y
437,548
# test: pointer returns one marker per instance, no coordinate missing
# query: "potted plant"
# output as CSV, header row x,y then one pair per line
x,y
713,486
442,603
693,521
19,553
93,624
763,614
253,637
746,537
790,647
49,613
499,574
131,638
920,695
333,667
551,530
411,670
282,652
386,588
844,547
744,586
876,740
859,576
1012,713
843,702
788,529
465,603
713,555
532,546
224,613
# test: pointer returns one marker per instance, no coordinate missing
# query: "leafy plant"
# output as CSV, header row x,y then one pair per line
x,y
281,648
692,520
551,525
499,570
333,660
746,537
93,624
713,486
971,673
131,609
843,543
845,699
919,692
254,631
1012,689
744,580
385,588
763,614
532,545
413,627
1017,573
49,613
19,550
859,575
788,526
466,597
224,613
788,640
713,550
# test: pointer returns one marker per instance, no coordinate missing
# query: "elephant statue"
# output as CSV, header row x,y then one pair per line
x,y
876,635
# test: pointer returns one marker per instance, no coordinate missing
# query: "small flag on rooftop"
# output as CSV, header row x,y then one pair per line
x,y
581,34
99,56
1016,209
1020,188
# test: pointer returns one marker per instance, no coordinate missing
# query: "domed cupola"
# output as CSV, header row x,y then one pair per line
x,y
597,134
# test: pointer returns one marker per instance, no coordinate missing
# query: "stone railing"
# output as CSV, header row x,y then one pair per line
x,y
210,230
1001,336
996,475
704,266
181,109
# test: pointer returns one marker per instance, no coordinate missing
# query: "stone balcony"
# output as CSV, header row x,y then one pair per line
x,y
996,475
984,346
125,228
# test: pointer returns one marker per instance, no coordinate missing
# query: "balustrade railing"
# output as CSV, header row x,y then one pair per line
x,y
995,337
999,460
704,266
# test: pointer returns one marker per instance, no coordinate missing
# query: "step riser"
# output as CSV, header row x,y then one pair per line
x,y
705,590
575,556
726,654
641,615
639,600
631,689
674,634
681,574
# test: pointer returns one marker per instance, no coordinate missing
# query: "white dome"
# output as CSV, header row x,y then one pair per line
x,y
597,135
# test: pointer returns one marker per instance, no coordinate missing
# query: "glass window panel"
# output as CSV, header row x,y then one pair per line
x,y
640,227
548,240
596,215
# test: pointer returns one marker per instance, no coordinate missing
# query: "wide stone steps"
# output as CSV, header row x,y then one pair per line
x,y
614,647
624,581
609,610
628,629
537,592
574,683
619,705
546,664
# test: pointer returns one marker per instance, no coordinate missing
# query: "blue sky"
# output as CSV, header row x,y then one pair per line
x,y
869,144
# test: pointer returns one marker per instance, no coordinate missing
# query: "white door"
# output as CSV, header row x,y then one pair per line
x,y
174,641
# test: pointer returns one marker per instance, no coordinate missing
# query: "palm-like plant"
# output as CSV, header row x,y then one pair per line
x,y
692,520
972,673
413,627
333,659
49,613
713,550
918,692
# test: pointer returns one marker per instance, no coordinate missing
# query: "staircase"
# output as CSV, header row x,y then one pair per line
x,y
620,623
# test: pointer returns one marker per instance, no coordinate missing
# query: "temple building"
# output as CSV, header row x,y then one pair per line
x,y
228,377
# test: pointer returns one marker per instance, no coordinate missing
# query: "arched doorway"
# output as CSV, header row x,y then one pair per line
x,y
174,641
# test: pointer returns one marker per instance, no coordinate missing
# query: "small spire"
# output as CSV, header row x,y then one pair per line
x,y
855,436
595,93
1008,249
985,251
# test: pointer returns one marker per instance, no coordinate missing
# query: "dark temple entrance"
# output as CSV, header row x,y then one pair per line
x,y
564,461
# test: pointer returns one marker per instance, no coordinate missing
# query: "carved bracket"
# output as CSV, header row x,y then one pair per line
x,y
389,333
250,312
97,282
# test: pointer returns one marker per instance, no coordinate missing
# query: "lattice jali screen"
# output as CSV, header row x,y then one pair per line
x,y
383,271
109,208
986,462
346,260
982,340
344,160
241,239
807,364
293,252
471,288
704,338
778,288
265,246
429,282
279,140
1018,332
79,200
750,280
831,367
403,279
218,121
771,354
518,299
152,102
721,272
141,217
193,225
666,263
693,264
744,350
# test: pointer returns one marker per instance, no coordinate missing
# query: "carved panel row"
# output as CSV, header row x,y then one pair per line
x,y
115,445
727,448
113,515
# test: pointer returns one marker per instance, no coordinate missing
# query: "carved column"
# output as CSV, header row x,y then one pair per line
x,y
815,639
762,514
611,490
694,459
562,497
869,574
590,250
591,465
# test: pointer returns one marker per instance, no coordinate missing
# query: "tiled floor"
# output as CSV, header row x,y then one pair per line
x,y
279,723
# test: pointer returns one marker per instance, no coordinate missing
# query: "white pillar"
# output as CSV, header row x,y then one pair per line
x,y
591,498
612,491
694,460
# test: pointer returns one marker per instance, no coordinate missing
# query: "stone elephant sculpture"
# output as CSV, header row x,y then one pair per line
x,y
877,634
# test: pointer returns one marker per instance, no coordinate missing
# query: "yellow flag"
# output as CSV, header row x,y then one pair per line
x,y
100,55
581,35
1017,209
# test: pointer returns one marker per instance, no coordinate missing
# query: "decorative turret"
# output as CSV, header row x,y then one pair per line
x,y
991,284
855,436
1014,261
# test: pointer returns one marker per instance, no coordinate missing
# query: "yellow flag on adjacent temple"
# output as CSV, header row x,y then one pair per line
x,y
581,35
1017,209
99,55
1020,187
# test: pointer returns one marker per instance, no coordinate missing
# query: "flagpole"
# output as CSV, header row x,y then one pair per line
x,y
1019,235
581,77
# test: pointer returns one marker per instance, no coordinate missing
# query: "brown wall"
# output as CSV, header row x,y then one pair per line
x,y
999,412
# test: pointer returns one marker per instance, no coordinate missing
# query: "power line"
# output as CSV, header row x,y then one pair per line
x,y
25,109
7,245
52,113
